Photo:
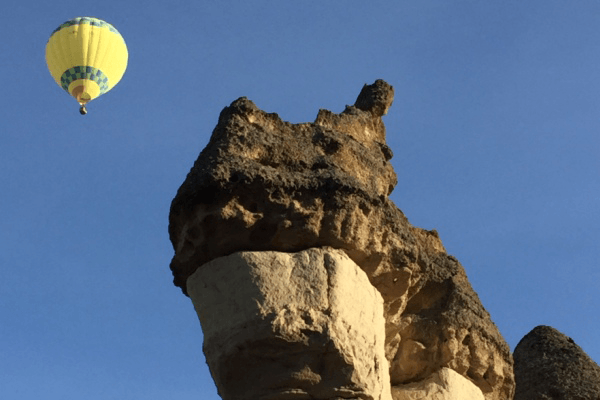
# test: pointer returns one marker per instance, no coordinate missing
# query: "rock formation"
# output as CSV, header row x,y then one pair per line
x,y
265,185
550,366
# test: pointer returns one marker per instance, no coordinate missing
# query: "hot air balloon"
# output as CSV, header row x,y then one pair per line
x,y
86,57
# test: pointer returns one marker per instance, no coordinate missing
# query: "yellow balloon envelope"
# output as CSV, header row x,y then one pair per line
x,y
86,57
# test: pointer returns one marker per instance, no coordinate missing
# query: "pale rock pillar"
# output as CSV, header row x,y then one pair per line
x,y
278,326
444,384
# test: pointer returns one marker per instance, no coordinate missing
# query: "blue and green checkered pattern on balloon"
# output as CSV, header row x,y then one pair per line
x,y
86,20
91,73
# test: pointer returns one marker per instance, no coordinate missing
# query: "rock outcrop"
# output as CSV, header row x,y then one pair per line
x,y
262,184
550,366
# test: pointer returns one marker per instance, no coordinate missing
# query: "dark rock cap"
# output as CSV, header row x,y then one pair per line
x,y
549,365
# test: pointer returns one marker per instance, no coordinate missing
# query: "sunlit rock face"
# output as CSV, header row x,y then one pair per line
x,y
444,384
306,325
262,184
550,365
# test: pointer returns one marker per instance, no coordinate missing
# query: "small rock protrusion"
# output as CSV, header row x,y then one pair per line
x,y
376,98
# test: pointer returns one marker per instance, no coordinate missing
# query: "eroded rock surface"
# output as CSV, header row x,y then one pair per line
x,y
298,325
551,366
265,184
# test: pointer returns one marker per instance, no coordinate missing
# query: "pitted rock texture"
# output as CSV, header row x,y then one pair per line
x,y
550,366
306,325
265,184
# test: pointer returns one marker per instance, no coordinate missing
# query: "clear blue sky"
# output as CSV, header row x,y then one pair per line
x,y
495,130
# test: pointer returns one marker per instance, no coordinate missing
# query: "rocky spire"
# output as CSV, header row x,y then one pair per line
x,y
550,365
265,185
